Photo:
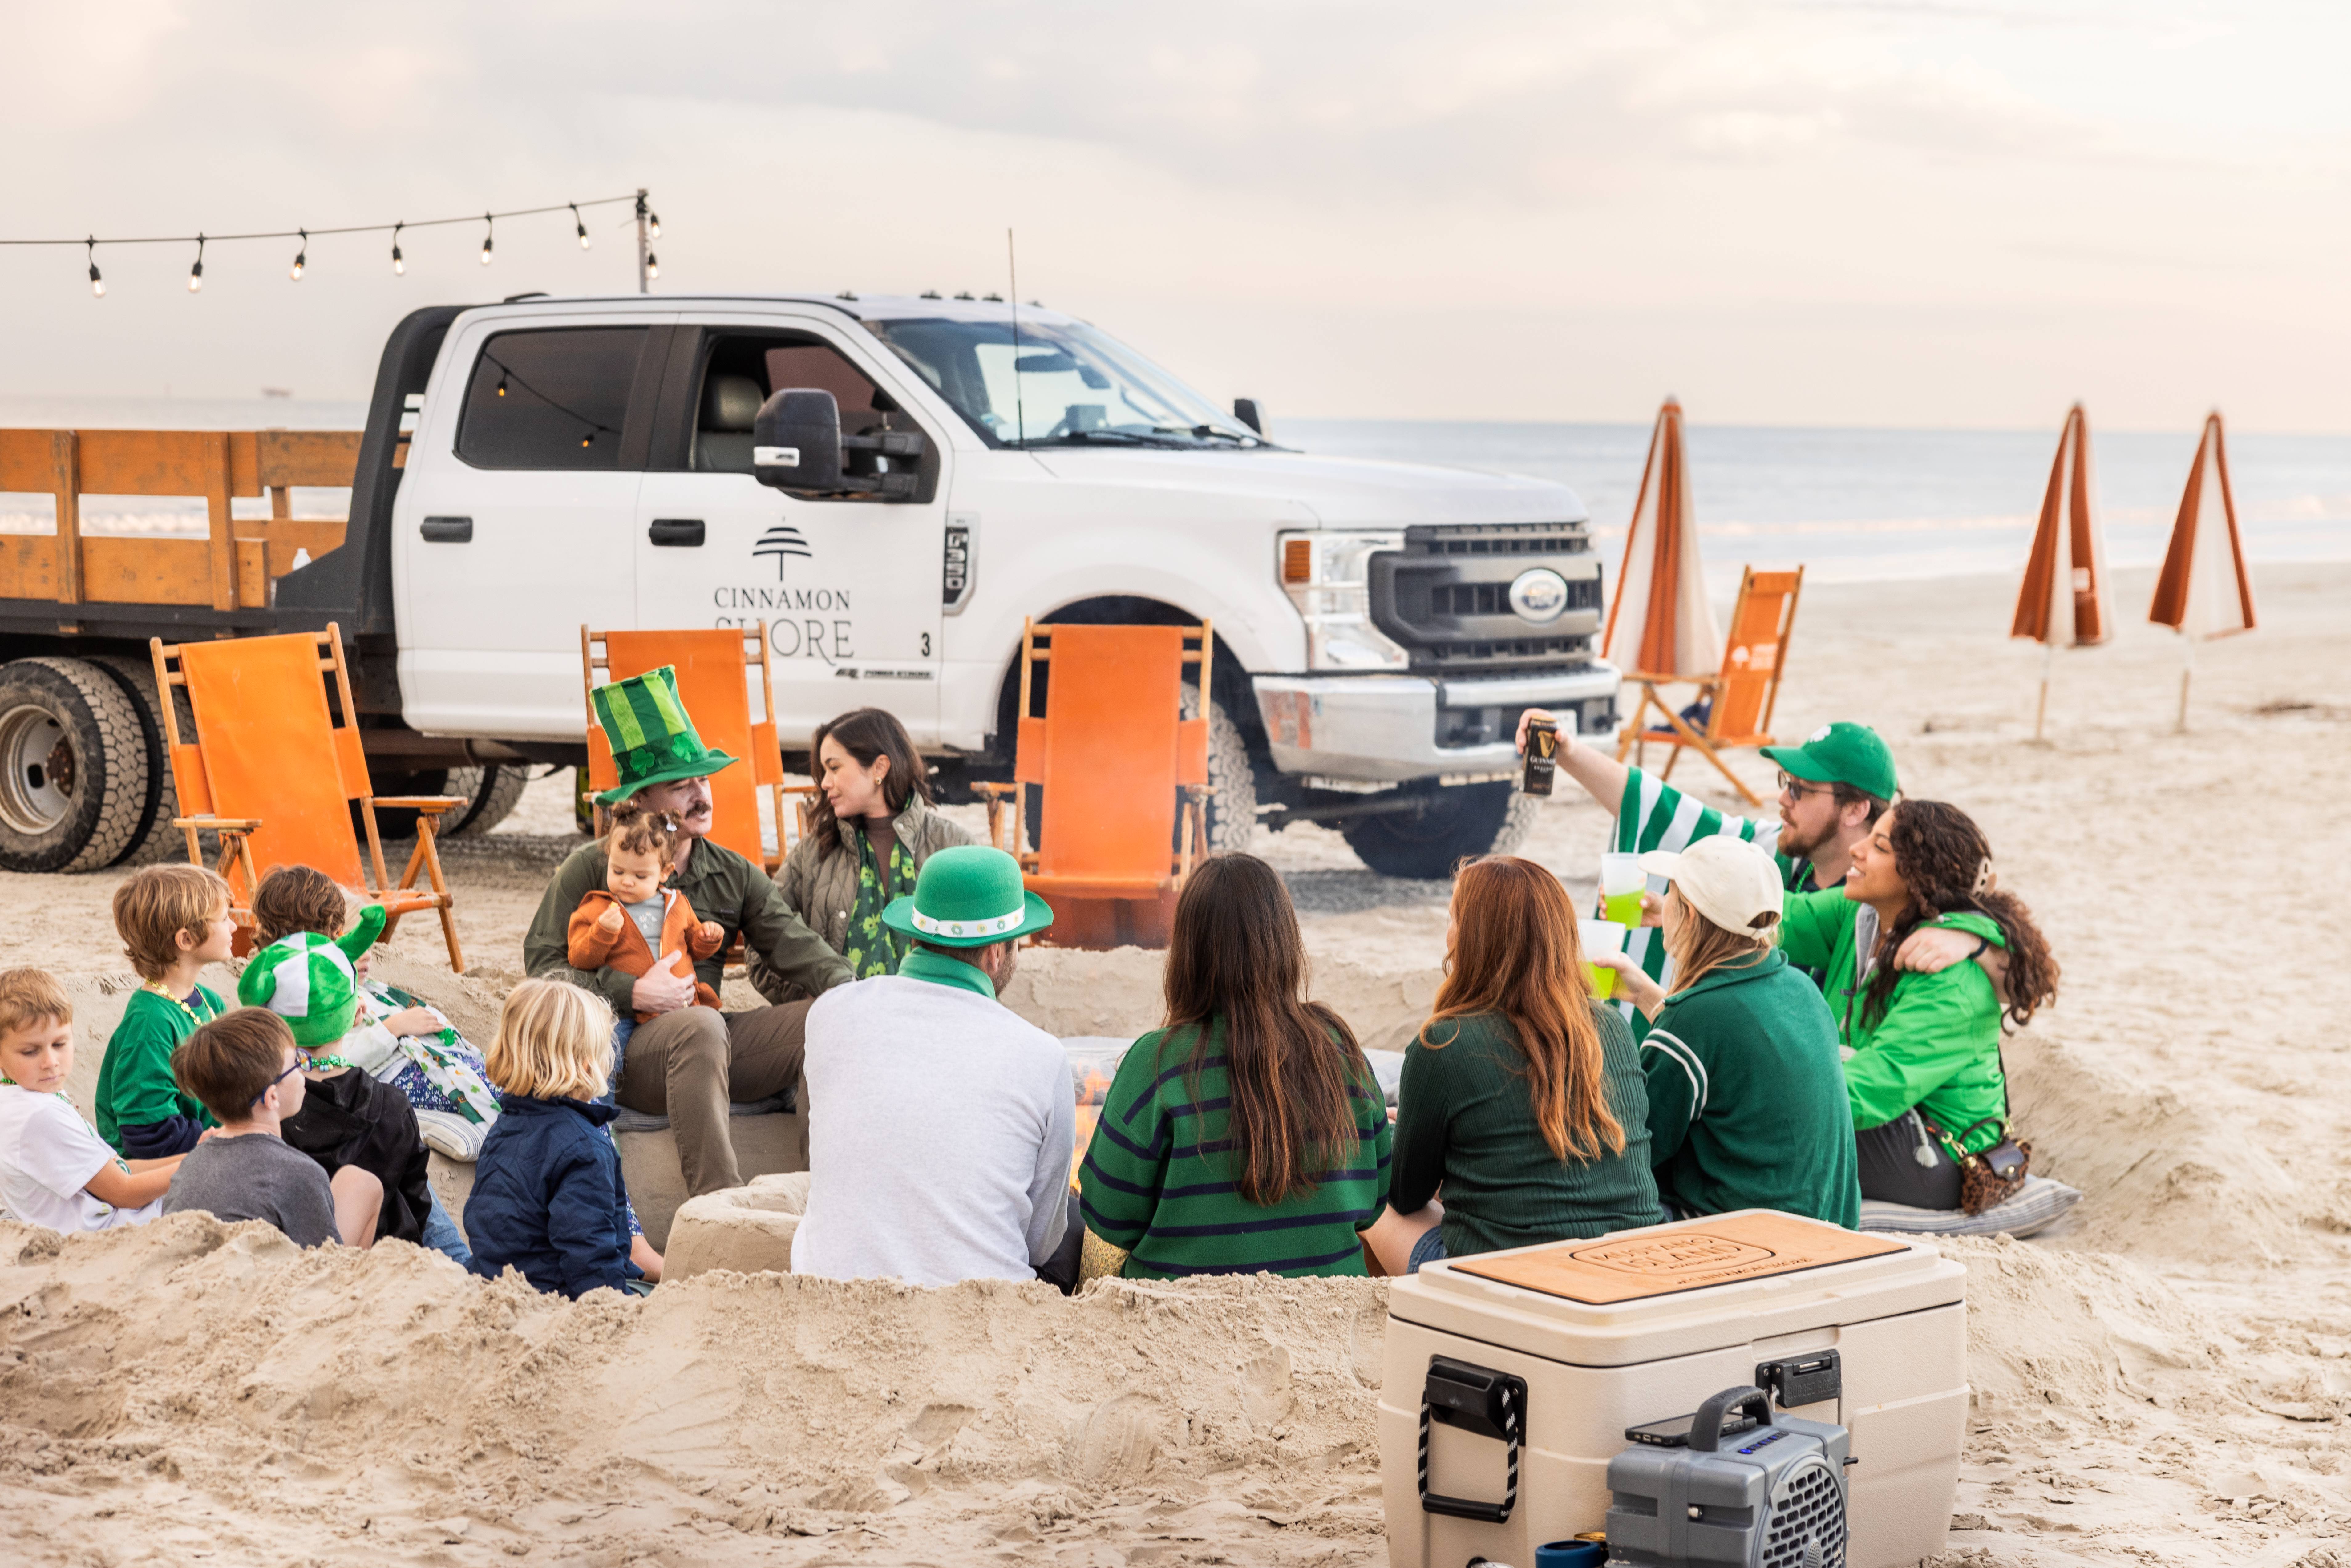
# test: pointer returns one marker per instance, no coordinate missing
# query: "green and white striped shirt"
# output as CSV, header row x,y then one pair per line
x,y
1654,815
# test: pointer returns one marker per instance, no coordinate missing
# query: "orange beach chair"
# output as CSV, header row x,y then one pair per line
x,y
712,666
1742,696
273,770
1117,765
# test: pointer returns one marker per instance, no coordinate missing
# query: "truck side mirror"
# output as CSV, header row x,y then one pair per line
x,y
1247,411
796,441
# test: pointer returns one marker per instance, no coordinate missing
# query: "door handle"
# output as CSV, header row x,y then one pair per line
x,y
675,531
448,530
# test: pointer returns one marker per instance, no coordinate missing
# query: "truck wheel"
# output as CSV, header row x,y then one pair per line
x,y
1461,822
1232,805
492,788
73,767
155,839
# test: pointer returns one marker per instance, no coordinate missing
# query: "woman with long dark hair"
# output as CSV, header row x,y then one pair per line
x,y
871,829
1523,1097
1925,1077
1249,1134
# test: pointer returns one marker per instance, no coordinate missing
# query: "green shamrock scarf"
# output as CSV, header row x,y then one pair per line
x,y
871,947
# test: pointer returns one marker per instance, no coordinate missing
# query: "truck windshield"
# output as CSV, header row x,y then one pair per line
x,y
1064,384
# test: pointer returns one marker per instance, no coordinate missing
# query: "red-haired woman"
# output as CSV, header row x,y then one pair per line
x,y
1523,1097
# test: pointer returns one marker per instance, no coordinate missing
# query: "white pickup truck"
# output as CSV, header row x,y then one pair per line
x,y
654,462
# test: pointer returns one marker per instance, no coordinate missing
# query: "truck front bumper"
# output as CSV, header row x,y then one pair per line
x,y
1384,729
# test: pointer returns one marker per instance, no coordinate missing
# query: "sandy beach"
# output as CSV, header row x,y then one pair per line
x,y
2163,1379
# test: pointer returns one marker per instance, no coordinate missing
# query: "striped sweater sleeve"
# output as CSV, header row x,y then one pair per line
x,y
1125,1165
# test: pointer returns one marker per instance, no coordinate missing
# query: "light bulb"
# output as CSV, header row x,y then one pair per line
x,y
652,265
485,252
294,273
97,283
502,385
576,224
301,256
583,238
196,279
398,265
654,230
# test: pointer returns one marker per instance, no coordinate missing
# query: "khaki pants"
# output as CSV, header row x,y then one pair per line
x,y
687,1065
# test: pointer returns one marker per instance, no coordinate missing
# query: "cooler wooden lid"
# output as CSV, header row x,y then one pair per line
x,y
1667,1259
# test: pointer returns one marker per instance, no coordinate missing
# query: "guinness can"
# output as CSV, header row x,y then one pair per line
x,y
1542,755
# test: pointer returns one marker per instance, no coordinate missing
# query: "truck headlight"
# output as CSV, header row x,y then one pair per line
x,y
1328,576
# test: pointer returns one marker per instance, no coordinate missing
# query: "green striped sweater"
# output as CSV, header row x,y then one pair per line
x,y
1158,1176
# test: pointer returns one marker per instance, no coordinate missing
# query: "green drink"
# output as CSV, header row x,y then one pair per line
x,y
1601,936
1622,883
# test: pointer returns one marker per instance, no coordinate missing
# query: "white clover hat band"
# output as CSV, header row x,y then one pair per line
x,y
994,926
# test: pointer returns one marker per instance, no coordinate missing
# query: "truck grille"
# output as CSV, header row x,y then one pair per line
x,y
1444,597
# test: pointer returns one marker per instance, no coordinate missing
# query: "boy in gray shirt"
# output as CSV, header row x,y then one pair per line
x,y
246,1071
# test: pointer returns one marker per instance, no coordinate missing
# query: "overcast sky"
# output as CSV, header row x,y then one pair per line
x,y
1938,214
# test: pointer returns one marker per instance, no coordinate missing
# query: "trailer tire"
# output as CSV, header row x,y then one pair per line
x,y
492,792
1461,822
155,839
73,767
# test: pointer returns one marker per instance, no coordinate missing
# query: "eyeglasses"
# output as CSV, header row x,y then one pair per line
x,y
298,1065
1799,788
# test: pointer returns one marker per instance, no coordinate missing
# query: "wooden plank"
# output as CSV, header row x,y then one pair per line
x,y
288,535
327,458
1690,1255
145,572
222,558
64,483
28,565
253,574
144,462
25,460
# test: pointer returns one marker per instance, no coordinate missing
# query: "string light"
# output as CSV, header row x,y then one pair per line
x,y
398,265
196,273
301,256
652,265
576,224
654,232
97,283
487,224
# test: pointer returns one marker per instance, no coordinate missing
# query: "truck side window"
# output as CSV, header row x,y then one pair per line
x,y
743,371
551,399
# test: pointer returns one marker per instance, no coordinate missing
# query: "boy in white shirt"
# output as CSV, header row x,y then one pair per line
x,y
55,1170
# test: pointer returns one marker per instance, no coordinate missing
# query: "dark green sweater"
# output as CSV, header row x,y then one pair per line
x,y
1747,1100
1464,1121
1158,1175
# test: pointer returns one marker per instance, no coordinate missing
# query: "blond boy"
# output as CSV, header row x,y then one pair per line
x,y
173,920
55,1170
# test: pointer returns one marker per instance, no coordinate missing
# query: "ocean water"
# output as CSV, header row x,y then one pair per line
x,y
1847,505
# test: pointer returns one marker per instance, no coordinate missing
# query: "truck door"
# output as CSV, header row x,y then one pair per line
x,y
513,524
849,590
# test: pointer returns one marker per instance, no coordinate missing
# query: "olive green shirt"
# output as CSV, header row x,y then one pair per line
x,y
721,885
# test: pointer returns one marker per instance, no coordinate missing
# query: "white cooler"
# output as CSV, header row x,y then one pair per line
x,y
1642,1326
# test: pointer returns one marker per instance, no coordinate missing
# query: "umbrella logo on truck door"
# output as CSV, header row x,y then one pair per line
x,y
779,541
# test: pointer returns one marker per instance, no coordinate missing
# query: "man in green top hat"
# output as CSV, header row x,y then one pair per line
x,y
689,1062
940,1122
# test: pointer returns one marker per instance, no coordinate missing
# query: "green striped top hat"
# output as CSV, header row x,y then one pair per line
x,y
653,740
308,980
969,896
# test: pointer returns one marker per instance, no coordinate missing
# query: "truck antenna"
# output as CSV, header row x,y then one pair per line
x,y
1012,275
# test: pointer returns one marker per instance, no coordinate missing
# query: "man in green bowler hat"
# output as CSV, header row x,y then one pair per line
x,y
690,1062
940,1122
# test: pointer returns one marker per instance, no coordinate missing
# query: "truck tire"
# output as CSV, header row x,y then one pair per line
x,y
155,839
1461,822
493,789
73,767
1232,801
394,822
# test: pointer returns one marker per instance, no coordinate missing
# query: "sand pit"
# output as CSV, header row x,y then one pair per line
x,y
2164,1378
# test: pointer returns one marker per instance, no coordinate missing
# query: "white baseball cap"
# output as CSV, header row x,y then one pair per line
x,y
1724,878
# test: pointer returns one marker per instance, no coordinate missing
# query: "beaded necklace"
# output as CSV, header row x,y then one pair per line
x,y
158,989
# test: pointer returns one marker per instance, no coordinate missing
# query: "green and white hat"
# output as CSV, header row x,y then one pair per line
x,y
969,896
653,740
308,980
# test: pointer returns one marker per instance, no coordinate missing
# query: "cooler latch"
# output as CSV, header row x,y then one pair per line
x,y
1800,1380
1476,1400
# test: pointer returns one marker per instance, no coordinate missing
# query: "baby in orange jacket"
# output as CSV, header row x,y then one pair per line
x,y
633,919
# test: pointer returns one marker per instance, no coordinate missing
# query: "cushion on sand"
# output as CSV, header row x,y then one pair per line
x,y
2040,1204
747,1229
451,1135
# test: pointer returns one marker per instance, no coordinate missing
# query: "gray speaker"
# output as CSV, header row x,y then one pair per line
x,y
1731,1485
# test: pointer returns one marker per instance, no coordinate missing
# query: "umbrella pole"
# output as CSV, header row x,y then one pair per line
x,y
2041,710
2186,671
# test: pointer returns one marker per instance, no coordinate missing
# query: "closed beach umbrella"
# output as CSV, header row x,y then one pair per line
x,y
2204,591
1660,623
2064,600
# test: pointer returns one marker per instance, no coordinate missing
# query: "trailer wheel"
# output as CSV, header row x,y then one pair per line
x,y
73,767
1460,823
155,839
493,791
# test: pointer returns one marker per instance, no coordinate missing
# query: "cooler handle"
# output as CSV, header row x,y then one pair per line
x,y
1476,1400
1706,1427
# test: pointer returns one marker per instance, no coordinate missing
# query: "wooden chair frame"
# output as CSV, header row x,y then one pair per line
x,y
237,832
1005,832
1710,744
594,658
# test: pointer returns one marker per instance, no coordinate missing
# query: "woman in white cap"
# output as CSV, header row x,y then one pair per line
x,y
1747,1100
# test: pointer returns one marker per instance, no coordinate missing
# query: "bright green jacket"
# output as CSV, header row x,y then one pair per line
x,y
1937,1046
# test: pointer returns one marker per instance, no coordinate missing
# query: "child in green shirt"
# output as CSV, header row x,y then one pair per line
x,y
173,920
